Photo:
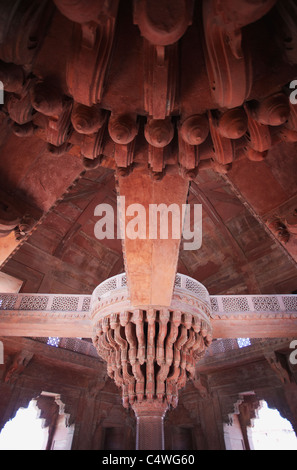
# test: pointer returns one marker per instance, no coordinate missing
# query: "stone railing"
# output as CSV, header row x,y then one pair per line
x,y
221,306
115,291
259,305
70,304
120,282
44,315
62,315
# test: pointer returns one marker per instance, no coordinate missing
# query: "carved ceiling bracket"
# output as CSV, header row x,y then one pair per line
x,y
163,23
237,127
229,68
278,363
23,26
16,365
93,37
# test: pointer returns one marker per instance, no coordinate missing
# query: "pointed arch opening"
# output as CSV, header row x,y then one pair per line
x,y
43,425
270,431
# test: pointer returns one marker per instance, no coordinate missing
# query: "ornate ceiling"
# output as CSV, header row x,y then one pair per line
x,y
101,89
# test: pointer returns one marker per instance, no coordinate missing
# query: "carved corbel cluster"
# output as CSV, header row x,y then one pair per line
x,y
35,106
151,353
189,142
249,130
93,37
252,129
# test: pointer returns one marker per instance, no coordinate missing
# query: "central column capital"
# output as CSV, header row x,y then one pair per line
x,y
150,409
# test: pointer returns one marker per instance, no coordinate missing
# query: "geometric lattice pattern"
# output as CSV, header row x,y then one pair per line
x,y
32,302
62,303
193,286
290,303
243,342
266,304
177,282
262,304
86,304
214,304
53,341
107,286
235,304
7,301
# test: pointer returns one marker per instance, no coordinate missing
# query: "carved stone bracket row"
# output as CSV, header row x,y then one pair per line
x,y
187,142
162,24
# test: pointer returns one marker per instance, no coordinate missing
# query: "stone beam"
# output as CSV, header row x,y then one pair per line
x,y
151,264
44,315
238,316
251,327
254,316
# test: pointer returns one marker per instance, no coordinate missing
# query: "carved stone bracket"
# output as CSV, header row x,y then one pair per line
x,y
193,131
160,80
16,366
19,106
23,25
229,70
286,20
15,217
93,42
224,148
279,364
163,23
158,133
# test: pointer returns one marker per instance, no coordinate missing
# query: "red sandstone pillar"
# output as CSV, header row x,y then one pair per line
x,y
150,425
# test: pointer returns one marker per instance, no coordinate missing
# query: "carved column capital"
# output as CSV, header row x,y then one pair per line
x,y
150,408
